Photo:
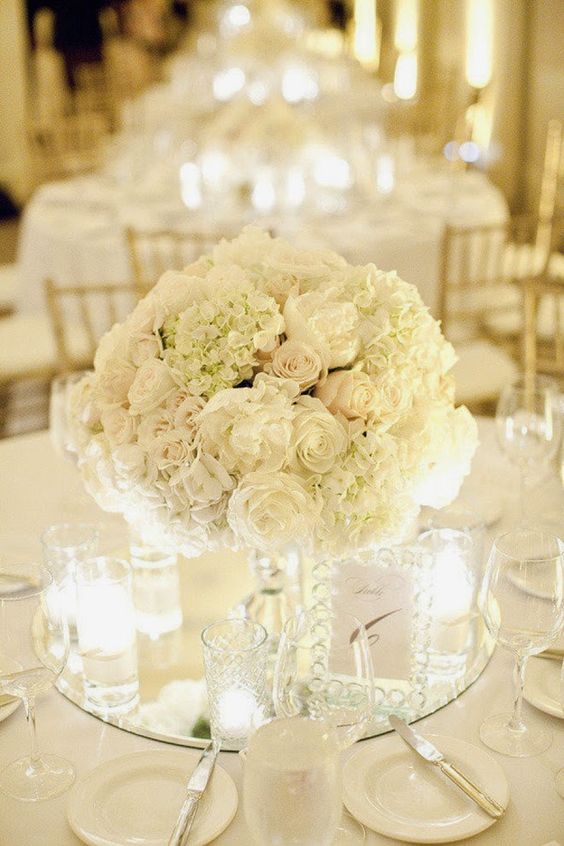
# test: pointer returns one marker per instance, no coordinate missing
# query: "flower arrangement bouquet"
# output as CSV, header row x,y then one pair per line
x,y
267,395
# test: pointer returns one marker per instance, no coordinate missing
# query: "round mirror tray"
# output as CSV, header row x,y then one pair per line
x,y
172,699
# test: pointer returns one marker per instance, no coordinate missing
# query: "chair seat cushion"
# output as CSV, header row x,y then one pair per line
x,y
27,347
481,371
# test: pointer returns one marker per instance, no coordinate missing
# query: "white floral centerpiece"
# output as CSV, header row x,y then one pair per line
x,y
267,395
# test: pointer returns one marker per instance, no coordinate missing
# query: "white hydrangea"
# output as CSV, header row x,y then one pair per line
x,y
266,395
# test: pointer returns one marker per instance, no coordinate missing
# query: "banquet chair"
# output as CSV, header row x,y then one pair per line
x,y
543,338
152,252
80,315
481,267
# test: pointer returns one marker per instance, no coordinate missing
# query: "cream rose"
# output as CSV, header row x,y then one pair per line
x,y
172,450
325,323
152,384
114,381
298,361
186,414
318,438
144,347
269,510
119,425
350,393
130,465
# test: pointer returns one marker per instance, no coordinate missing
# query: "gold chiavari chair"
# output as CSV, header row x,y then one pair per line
x,y
481,267
81,314
543,339
152,252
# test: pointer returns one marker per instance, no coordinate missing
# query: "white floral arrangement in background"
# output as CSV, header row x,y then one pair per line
x,y
267,395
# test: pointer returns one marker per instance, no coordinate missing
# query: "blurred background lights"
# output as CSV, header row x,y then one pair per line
x,y
228,82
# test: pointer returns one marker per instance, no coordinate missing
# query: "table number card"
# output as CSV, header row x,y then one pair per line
x,y
387,590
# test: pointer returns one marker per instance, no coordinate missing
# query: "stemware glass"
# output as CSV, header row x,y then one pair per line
x,y
522,600
292,783
529,426
34,646
324,671
59,400
559,781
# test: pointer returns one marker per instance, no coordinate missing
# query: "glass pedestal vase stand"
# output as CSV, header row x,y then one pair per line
x,y
277,594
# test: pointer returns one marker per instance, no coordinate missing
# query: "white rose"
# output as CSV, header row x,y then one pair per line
x,y
152,384
143,318
153,425
350,393
175,291
114,381
298,361
82,412
144,346
326,324
205,481
112,346
269,510
119,425
172,450
317,438
188,412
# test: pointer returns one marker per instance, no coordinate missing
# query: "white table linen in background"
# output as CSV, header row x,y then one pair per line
x,y
32,486
73,231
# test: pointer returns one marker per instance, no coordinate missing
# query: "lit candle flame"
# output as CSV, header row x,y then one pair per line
x,y
366,38
479,42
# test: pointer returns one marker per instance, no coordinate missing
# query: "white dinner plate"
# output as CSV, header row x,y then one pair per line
x,y
393,791
134,800
542,685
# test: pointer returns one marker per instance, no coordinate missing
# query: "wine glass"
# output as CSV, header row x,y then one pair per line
x,y
522,600
528,425
59,407
559,781
292,783
324,671
34,646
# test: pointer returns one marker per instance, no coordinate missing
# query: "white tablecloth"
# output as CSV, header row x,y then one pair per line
x,y
72,231
32,490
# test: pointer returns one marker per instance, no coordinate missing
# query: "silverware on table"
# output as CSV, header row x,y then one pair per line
x,y
430,753
195,789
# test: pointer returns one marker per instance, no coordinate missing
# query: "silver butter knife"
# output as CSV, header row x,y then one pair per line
x,y
195,788
430,753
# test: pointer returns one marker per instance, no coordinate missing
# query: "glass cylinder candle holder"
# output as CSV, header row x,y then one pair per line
x,y
453,597
463,519
65,545
106,634
156,587
235,660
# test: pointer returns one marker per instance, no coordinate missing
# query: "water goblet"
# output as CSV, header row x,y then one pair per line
x,y
528,422
559,780
34,646
59,406
292,783
522,600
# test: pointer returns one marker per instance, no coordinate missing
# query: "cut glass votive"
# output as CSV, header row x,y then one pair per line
x,y
156,587
235,661
106,634
65,545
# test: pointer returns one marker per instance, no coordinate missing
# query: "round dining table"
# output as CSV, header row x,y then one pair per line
x,y
35,488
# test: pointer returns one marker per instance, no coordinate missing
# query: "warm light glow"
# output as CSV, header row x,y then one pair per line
x,y
452,590
385,174
366,36
295,188
480,117
215,168
263,197
479,42
332,172
325,42
190,189
405,76
298,84
227,83
236,710
406,25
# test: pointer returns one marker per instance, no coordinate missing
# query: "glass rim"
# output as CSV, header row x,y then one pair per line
x,y
46,577
94,527
237,621
462,534
107,578
539,559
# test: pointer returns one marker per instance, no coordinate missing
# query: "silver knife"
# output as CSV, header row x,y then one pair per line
x,y
195,788
430,753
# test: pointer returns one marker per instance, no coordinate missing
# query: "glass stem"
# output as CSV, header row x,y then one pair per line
x,y
516,723
522,494
29,705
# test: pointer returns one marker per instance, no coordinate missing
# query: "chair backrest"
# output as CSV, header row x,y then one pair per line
x,y
553,171
81,314
154,252
478,268
543,341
